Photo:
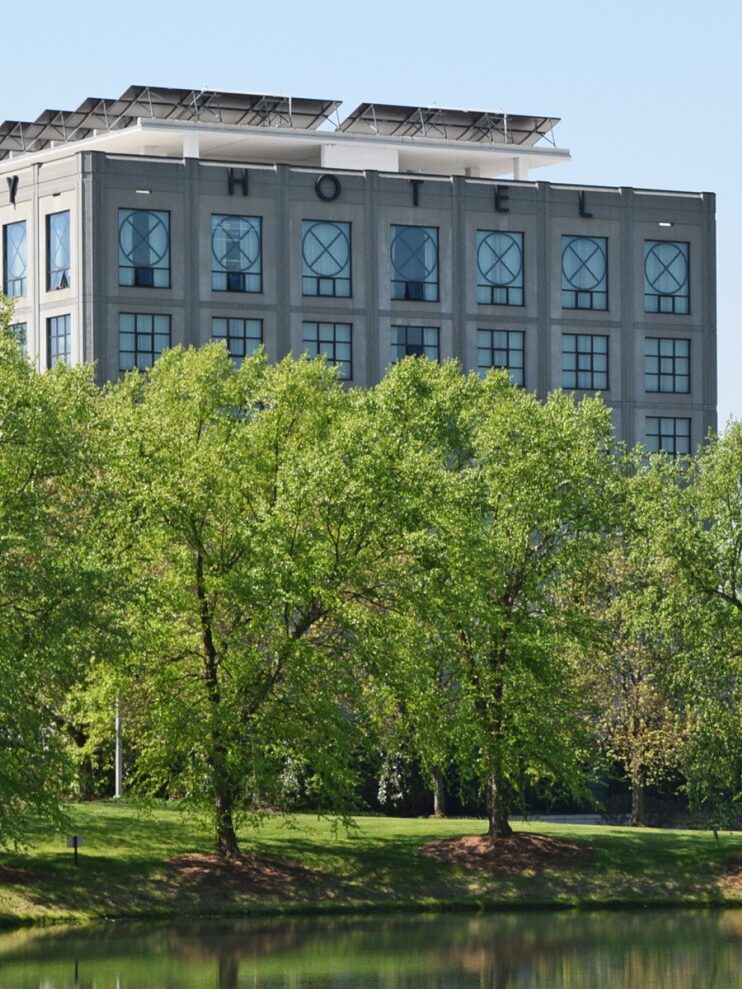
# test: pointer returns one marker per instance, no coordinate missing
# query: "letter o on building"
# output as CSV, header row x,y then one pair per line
x,y
327,187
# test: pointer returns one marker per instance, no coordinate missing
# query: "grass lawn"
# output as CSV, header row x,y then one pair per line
x,y
124,872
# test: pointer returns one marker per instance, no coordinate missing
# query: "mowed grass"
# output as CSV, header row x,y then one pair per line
x,y
124,871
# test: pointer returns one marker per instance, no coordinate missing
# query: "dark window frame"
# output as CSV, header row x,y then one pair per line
x,y
57,276
674,358
238,341
503,289
344,365
412,349
675,303
54,354
144,275
411,289
235,279
331,282
588,357
584,299
508,350
9,284
667,440
138,350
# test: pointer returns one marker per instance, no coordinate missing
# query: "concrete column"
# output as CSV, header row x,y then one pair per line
x,y
372,261
283,263
191,147
542,380
520,170
632,369
708,316
459,284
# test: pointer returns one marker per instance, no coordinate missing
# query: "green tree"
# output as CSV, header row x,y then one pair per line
x,y
254,507
51,573
523,500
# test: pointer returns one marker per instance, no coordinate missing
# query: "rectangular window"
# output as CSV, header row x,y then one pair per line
x,y
414,263
142,338
499,268
667,364
242,336
325,258
502,348
584,273
331,341
584,362
57,251
668,434
14,259
19,331
415,341
666,277
144,248
58,340
236,253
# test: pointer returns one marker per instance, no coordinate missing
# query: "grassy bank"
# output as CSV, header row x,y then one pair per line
x,y
126,869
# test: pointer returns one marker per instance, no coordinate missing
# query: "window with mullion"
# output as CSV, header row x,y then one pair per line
x,y
326,258
142,339
14,259
58,251
144,248
667,365
504,349
668,434
58,340
242,336
236,253
333,341
19,332
415,341
584,272
584,362
414,263
499,268
666,277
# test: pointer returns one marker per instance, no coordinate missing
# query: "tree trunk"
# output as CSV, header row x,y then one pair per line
x,y
226,838
497,810
637,804
439,793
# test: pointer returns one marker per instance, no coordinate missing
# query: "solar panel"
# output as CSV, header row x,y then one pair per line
x,y
187,105
483,127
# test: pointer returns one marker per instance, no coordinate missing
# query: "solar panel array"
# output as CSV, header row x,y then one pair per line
x,y
96,115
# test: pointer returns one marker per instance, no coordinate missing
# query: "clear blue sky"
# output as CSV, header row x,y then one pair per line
x,y
648,92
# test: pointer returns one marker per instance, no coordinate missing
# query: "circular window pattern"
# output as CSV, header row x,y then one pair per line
x,y
500,259
414,253
666,267
325,249
584,263
235,243
144,235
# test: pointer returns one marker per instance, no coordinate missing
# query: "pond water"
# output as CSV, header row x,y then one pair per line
x,y
642,950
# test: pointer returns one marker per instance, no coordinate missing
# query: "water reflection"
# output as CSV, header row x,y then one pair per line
x,y
648,950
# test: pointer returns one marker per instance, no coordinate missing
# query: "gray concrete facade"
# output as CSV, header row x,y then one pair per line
x,y
95,185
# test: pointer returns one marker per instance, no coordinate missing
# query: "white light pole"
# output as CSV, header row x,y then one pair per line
x,y
118,762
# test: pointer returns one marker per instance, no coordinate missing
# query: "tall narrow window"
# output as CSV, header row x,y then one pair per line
x,y
142,338
667,364
242,336
666,282
502,348
58,340
19,331
144,248
236,253
499,268
14,259
414,261
668,434
331,341
325,254
57,251
415,341
584,362
584,273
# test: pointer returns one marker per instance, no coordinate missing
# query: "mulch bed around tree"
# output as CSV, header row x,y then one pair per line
x,y
252,874
514,854
733,877
18,877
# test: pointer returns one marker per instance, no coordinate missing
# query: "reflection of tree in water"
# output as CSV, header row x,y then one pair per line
x,y
569,950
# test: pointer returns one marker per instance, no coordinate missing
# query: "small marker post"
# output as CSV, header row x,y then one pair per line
x,y
74,842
